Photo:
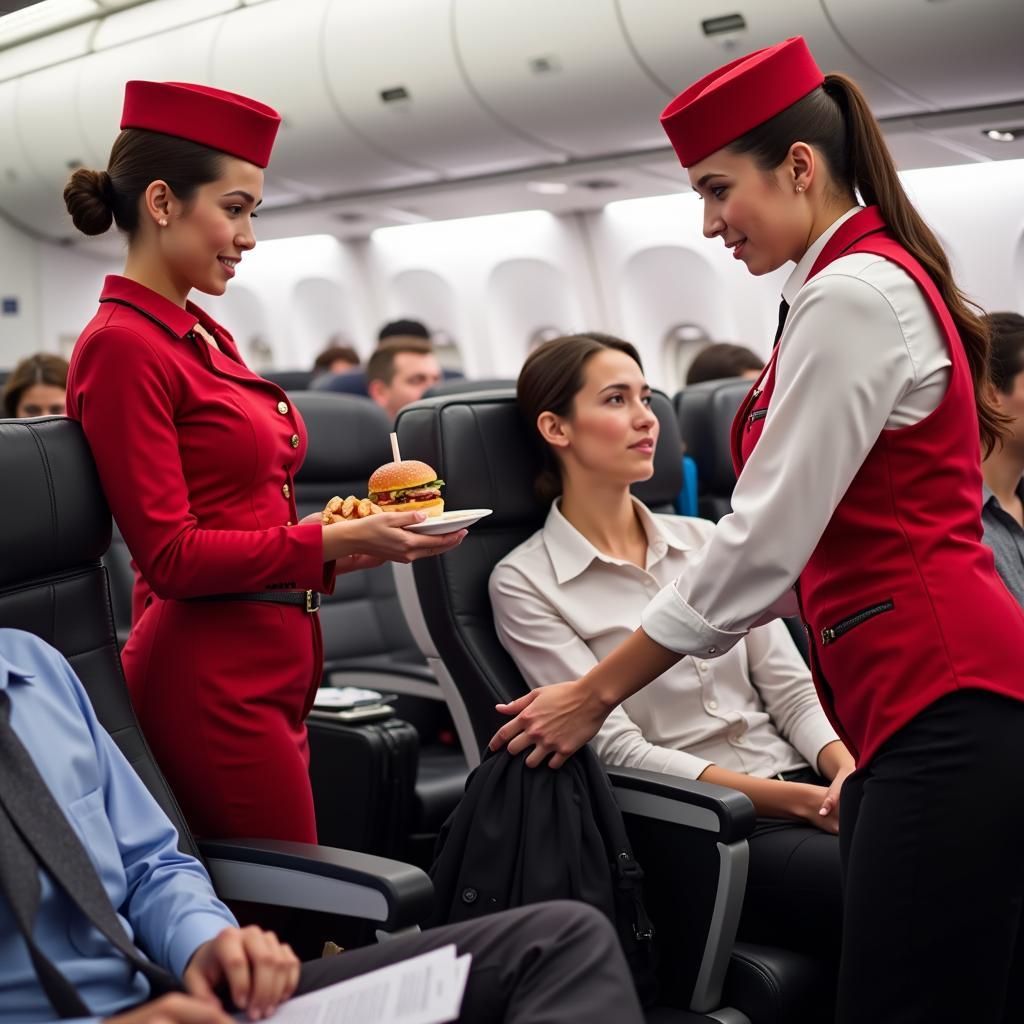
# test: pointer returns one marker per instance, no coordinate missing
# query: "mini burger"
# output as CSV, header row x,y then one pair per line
x,y
407,486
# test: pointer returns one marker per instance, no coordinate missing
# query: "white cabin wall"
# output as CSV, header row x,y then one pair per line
x,y
19,333
510,275
69,286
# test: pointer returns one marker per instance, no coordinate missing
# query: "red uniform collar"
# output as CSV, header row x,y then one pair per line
x,y
172,318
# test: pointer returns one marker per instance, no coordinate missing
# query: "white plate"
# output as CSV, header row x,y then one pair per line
x,y
449,522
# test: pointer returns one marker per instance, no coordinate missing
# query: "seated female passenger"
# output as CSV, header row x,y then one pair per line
x,y
36,387
749,720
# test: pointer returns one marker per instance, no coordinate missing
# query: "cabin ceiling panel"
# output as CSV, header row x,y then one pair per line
x,y
276,53
681,42
954,54
405,92
562,73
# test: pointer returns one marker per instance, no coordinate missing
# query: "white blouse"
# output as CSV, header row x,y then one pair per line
x,y
862,351
560,605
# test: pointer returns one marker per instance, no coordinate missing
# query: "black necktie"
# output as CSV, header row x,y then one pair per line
x,y
34,833
783,313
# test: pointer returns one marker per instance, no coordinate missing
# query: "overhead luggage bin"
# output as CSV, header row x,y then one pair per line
x,y
395,75
560,73
283,55
45,51
681,42
43,142
919,44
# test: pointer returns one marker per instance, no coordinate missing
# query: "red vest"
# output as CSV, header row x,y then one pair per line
x,y
900,598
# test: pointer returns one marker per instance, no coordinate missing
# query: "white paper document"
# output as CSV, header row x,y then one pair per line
x,y
427,989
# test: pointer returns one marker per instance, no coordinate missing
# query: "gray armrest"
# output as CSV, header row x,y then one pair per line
x,y
709,815
409,679
321,878
727,812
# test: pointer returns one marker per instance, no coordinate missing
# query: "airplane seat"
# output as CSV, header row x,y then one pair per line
x,y
366,640
118,563
350,382
689,837
463,385
53,584
706,412
290,380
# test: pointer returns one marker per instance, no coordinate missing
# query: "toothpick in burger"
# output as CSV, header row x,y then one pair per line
x,y
407,486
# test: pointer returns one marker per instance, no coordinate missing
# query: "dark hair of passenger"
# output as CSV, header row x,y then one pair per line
x,y
722,359
97,199
549,381
381,364
405,329
333,353
836,120
1006,359
42,368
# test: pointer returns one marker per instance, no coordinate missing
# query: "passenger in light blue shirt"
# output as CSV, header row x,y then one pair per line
x,y
558,962
163,897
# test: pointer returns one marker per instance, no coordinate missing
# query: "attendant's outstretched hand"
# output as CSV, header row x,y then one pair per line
x,y
555,720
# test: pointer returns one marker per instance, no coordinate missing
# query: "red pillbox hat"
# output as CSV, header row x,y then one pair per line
x,y
731,101
212,117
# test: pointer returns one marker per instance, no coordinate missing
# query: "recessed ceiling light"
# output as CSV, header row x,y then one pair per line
x,y
548,188
1001,135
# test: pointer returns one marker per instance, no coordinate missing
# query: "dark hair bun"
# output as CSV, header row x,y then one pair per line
x,y
87,196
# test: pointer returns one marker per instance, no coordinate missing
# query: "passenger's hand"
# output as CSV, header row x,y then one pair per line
x,y
830,805
809,801
260,971
176,1008
554,720
384,537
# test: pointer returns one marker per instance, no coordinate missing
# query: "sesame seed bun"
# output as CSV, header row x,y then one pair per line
x,y
393,476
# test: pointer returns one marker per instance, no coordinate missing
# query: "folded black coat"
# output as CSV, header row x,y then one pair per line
x,y
523,835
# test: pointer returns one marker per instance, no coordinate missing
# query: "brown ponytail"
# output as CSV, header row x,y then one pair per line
x,y
549,381
838,122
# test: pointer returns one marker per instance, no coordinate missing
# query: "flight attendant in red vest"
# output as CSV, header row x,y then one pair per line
x,y
198,456
858,501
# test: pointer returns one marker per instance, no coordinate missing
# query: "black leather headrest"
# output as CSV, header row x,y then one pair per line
x,y
290,380
348,436
489,458
463,385
54,515
706,412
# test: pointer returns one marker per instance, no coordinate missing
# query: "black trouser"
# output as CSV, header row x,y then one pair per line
x,y
550,963
932,840
794,895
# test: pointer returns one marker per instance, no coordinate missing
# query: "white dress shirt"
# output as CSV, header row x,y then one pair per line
x,y
862,351
560,605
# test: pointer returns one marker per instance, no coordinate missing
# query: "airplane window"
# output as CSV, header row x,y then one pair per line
x,y
681,345
261,355
446,350
542,334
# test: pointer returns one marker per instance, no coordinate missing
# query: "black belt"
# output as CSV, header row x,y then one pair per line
x,y
308,599
808,775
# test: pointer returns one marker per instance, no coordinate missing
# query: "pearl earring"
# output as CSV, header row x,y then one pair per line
x,y
799,188
162,222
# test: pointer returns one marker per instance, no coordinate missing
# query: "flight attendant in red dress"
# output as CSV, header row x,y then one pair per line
x,y
858,501
197,456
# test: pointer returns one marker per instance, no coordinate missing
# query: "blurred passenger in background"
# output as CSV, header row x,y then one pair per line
x,y
721,359
577,588
398,373
36,387
403,329
336,359
1002,509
